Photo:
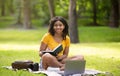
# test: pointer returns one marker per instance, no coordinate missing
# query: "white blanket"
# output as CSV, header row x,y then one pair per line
x,y
56,72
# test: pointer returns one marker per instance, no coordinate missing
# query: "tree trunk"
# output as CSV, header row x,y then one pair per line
x,y
119,10
27,14
73,22
94,13
11,9
114,18
51,8
3,8
19,14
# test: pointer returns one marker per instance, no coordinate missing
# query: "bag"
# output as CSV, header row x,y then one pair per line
x,y
27,64
34,67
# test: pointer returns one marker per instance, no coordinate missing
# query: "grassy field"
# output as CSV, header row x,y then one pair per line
x,y
100,46
86,35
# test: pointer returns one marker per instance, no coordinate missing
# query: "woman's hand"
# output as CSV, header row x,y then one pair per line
x,y
60,58
40,54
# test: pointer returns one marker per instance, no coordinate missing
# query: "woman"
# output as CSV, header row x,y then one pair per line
x,y
57,34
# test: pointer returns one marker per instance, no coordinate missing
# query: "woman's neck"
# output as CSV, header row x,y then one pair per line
x,y
58,35
58,38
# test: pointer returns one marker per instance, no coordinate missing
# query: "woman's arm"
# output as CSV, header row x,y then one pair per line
x,y
65,54
43,47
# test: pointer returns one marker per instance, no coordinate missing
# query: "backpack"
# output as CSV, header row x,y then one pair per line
x,y
26,64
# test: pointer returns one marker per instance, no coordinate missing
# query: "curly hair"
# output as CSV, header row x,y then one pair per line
x,y
51,25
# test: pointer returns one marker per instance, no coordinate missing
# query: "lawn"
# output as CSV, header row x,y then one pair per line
x,y
100,46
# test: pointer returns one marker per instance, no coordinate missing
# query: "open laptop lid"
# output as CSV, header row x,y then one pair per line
x,y
74,67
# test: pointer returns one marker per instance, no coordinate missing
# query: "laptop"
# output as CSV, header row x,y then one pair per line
x,y
71,67
74,67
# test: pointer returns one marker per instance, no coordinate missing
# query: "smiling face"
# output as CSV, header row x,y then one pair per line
x,y
58,27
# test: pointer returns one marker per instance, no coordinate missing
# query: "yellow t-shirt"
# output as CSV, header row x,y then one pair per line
x,y
51,43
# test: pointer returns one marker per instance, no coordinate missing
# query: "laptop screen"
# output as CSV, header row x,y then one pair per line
x,y
74,67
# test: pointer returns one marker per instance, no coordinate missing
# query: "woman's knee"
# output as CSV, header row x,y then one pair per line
x,y
47,57
45,60
77,57
81,57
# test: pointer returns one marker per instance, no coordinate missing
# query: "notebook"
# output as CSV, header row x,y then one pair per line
x,y
55,51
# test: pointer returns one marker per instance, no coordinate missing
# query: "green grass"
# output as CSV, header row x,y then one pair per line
x,y
99,34
86,35
99,45
21,35
100,56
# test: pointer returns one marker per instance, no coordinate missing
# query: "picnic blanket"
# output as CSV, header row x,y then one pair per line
x,y
54,72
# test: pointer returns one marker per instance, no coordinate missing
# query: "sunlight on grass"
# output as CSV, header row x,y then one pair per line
x,y
75,49
99,50
18,47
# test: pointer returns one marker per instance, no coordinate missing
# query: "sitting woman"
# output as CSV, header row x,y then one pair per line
x,y
57,34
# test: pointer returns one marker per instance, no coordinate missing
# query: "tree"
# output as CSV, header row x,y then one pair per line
x,y
11,7
73,22
19,13
114,18
2,7
51,8
119,9
27,14
94,12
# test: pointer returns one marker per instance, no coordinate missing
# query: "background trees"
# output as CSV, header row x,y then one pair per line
x,y
114,15
73,22
28,13
51,8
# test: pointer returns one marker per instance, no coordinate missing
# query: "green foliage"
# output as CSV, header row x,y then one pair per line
x,y
6,22
40,10
61,7
10,22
